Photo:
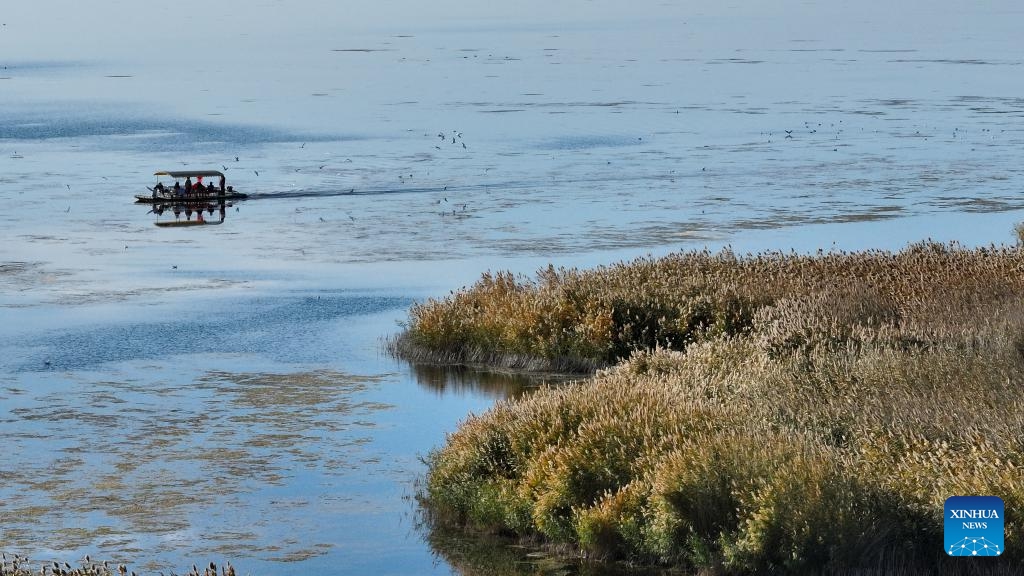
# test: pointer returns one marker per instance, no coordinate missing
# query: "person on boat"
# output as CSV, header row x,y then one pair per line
x,y
188,185
210,189
177,189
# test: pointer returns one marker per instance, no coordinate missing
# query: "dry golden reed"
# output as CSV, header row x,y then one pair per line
x,y
568,319
816,417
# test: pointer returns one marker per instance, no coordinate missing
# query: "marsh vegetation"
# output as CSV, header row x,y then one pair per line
x,y
768,411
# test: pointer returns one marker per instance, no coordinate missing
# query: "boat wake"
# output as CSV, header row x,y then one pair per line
x,y
314,193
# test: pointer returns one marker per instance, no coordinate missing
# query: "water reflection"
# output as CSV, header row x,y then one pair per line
x,y
464,380
192,211
479,555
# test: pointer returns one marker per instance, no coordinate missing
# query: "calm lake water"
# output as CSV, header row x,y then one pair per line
x,y
170,396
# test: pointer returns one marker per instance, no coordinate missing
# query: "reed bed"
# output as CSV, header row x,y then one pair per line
x,y
580,320
817,413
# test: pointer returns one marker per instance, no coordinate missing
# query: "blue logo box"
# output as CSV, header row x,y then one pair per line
x,y
974,526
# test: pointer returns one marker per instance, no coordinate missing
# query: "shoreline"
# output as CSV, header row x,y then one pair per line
x,y
404,347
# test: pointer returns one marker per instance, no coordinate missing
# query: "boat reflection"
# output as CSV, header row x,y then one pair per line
x,y
190,213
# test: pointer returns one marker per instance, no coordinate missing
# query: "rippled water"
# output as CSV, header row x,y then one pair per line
x,y
169,395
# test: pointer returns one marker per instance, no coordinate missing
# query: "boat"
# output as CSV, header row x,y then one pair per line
x,y
161,194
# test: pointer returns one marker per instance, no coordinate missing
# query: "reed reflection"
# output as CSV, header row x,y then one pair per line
x,y
462,380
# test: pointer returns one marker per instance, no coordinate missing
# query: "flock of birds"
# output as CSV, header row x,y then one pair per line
x,y
16,565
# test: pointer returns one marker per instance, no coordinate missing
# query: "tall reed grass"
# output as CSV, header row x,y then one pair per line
x,y
580,320
815,417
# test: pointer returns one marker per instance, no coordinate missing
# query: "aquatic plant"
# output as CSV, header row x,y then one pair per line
x,y
822,430
573,320
17,565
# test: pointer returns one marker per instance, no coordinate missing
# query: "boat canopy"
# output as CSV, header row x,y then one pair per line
x,y
190,173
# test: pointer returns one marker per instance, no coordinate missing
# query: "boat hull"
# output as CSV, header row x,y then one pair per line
x,y
172,199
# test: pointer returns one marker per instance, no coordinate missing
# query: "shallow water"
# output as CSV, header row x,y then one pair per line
x,y
172,395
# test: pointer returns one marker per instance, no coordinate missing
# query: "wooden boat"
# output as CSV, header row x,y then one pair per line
x,y
177,193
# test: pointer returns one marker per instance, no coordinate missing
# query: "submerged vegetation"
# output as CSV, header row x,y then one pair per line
x,y
775,411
